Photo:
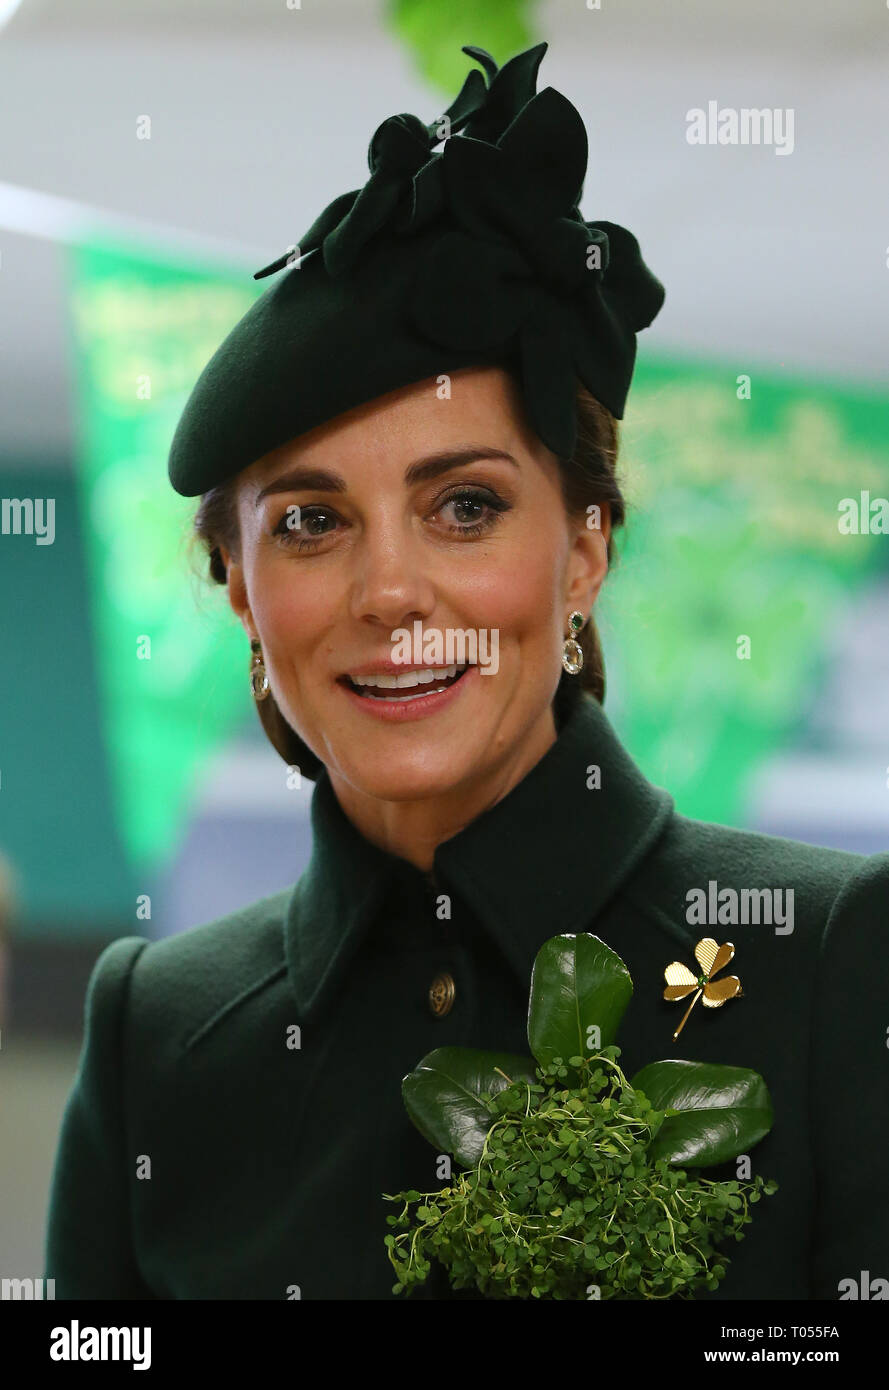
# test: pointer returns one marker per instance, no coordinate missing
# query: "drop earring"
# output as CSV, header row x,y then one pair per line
x,y
259,681
572,652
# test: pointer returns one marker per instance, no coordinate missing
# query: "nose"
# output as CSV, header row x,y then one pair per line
x,y
391,583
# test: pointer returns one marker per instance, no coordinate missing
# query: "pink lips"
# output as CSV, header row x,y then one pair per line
x,y
400,710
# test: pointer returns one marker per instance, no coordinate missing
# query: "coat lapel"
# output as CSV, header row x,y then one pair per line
x,y
549,857
560,847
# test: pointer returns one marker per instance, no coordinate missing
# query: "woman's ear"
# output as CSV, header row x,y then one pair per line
x,y
588,561
237,592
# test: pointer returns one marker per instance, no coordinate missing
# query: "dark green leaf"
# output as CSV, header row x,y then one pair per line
x,y
724,1111
578,982
442,1095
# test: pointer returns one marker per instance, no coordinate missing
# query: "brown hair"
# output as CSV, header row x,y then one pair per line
x,y
588,478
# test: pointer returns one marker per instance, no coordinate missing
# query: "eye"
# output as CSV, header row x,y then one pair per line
x,y
307,535
475,510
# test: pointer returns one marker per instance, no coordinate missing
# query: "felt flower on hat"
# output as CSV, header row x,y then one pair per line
x,y
520,270
401,146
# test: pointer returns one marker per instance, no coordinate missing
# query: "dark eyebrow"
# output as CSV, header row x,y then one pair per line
x,y
435,464
423,471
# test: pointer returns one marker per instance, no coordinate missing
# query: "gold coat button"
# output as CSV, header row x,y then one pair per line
x,y
441,994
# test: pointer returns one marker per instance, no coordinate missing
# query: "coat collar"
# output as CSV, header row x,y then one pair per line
x,y
547,857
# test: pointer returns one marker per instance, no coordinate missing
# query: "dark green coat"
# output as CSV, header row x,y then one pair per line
x,y
268,1161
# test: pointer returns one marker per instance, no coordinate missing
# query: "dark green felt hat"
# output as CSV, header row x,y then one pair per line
x,y
470,256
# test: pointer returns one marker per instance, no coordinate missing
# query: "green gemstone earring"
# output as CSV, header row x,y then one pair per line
x,y
572,652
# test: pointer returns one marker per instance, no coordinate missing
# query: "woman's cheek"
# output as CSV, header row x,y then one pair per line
x,y
290,612
518,600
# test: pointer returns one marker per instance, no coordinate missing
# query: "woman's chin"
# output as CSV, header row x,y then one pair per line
x,y
409,774
406,750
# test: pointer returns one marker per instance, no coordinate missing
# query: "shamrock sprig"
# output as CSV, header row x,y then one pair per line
x,y
575,1181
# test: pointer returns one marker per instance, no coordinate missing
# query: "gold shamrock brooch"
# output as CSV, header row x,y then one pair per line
x,y
681,981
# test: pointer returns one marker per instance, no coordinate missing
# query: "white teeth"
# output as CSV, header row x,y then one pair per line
x,y
406,679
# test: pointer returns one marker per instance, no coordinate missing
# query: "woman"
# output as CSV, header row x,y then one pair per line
x,y
411,441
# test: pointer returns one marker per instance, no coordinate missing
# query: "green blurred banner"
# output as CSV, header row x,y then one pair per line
x,y
734,531
172,659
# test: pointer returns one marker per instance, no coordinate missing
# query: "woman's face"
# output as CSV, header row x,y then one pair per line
x,y
446,514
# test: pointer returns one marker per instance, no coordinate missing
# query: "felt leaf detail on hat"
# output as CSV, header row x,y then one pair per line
x,y
400,147
510,88
534,171
524,273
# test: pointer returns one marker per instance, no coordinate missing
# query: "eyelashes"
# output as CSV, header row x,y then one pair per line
x,y
493,504
462,498
291,537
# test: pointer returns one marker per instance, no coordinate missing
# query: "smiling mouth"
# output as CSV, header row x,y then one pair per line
x,y
407,685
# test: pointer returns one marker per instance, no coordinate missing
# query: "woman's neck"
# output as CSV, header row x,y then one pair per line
x,y
413,829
